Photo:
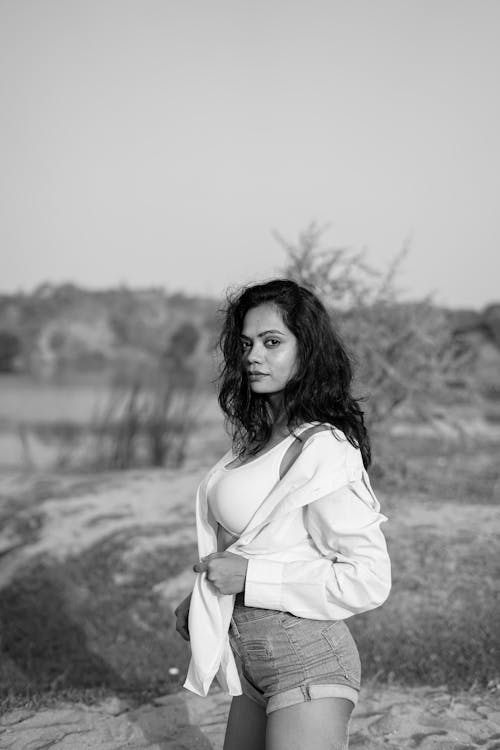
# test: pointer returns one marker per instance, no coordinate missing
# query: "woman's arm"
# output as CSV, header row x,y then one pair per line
x,y
353,575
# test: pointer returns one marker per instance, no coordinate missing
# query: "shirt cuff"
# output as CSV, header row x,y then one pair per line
x,y
263,584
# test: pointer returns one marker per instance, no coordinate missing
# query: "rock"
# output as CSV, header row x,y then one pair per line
x,y
113,706
175,722
386,718
15,717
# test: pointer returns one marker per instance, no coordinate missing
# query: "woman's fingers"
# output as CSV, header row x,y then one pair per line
x,y
200,567
203,565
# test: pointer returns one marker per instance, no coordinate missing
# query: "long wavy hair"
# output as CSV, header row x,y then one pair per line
x,y
319,390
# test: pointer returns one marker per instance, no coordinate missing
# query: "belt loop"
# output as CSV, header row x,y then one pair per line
x,y
306,692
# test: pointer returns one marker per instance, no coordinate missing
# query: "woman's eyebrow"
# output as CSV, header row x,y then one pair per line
x,y
264,333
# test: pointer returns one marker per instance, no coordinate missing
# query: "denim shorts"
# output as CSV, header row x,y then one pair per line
x,y
284,660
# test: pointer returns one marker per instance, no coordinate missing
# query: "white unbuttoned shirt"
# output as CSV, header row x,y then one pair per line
x,y
314,548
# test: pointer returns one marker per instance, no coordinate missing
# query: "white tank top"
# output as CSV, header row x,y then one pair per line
x,y
236,493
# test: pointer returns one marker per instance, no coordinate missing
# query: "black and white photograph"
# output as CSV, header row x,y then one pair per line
x,y
239,236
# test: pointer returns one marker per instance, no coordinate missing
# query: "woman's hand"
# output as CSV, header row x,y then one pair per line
x,y
225,570
182,614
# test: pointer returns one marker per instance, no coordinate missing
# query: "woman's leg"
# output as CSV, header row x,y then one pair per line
x,y
320,724
246,725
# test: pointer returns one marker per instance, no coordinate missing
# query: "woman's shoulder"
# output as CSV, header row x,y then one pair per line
x,y
326,441
321,432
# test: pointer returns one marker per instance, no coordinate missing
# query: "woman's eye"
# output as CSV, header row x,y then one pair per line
x,y
272,342
245,344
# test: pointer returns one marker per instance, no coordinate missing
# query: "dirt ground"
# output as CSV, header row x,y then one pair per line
x,y
53,522
395,718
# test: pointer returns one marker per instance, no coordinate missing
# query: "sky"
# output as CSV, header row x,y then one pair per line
x,y
161,143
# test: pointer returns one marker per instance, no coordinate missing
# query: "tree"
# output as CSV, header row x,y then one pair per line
x,y
10,350
407,359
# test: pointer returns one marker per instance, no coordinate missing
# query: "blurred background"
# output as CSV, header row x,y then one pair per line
x,y
154,154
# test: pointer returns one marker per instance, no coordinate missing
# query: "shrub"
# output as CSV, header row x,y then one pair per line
x,y
149,421
407,358
10,350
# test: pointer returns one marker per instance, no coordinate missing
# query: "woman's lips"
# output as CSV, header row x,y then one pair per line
x,y
257,375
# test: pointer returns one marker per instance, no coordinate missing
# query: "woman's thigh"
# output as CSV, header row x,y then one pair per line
x,y
246,725
320,724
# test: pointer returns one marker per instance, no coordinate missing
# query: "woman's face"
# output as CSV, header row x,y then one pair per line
x,y
270,349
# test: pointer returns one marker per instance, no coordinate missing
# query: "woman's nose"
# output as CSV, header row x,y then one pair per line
x,y
255,353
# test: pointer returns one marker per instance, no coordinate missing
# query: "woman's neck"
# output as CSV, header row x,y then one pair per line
x,y
279,417
281,427
276,407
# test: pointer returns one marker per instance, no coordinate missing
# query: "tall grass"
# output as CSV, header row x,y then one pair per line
x,y
440,624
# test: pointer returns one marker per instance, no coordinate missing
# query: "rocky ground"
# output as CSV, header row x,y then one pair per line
x,y
62,517
395,718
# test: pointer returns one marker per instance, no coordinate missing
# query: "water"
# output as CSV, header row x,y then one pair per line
x,y
28,401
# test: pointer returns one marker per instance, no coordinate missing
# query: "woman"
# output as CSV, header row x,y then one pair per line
x,y
288,530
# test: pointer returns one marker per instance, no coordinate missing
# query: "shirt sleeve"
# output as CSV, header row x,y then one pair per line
x,y
353,573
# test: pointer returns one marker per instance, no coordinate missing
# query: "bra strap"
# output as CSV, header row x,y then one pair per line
x,y
295,449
